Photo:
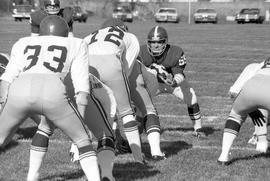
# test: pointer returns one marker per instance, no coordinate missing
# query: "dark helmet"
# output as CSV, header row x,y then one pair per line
x,y
157,40
114,22
54,25
51,6
4,59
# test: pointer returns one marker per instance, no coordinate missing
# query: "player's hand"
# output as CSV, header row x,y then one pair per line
x,y
257,118
162,75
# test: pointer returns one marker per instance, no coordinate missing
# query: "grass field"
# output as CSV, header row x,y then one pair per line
x,y
216,55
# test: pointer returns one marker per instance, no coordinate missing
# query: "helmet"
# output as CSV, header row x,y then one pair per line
x,y
157,40
54,25
114,22
4,59
52,6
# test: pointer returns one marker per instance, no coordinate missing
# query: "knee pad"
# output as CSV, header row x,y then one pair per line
x,y
106,143
152,123
40,141
232,126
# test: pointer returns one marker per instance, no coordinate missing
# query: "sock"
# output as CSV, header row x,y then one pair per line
x,y
89,163
133,136
106,161
39,147
231,130
227,142
154,142
195,116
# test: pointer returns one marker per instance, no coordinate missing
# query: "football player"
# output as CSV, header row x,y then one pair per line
x,y
112,50
146,113
260,116
33,83
168,62
51,7
254,95
4,59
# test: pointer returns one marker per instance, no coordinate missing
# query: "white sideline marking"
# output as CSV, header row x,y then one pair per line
x,y
194,146
203,97
205,118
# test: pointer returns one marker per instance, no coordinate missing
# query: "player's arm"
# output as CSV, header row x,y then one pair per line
x,y
80,78
132,50
13,69
178,70
245,75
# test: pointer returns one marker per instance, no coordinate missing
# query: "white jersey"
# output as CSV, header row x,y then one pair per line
x,y
50,55
114,41
249,71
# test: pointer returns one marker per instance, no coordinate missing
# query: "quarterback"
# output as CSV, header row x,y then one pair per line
x,y
33,84
254,95
51,7
167,63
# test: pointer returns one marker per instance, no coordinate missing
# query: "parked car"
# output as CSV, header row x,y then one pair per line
x,y
249,15
205,16
123,13
167,15
79,15
20,12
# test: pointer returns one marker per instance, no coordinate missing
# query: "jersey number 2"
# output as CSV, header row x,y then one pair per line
x,y
114,35
34,58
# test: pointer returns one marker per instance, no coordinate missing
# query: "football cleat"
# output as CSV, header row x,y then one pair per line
x,y
224,163
198,133
158,157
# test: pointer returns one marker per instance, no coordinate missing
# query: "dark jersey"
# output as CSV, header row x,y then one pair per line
x,y
173,58
37,16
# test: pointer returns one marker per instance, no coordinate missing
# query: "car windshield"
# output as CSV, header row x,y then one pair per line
x,y
206,11
23,8
118,10
77,9
167,11
249,11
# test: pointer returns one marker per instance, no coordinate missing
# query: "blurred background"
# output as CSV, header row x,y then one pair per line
x,y
145,9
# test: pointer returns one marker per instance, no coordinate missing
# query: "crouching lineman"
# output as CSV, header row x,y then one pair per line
x,y
111,51
33,84
259,117
99,116
254,95
168,63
